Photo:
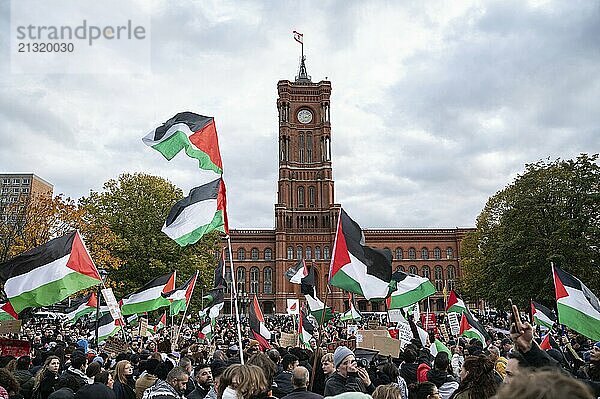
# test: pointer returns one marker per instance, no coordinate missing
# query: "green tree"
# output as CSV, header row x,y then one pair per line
x,y
550,213
133,209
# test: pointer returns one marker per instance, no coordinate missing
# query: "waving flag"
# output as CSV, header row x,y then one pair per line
x,y
356,267
149,297
81,307
257,325
317,308
299,37
180,297
456,304
578,307
542,316
47,274
470,328
202,211
107,327
193,133
306,330
7,314
352,313
410,289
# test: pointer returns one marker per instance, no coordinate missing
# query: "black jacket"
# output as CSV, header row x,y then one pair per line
x,y
198,393
283,382
96,390
123,391
302,393
337,384
439,377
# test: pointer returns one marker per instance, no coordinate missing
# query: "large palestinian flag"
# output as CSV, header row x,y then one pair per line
x,y
469,327
317,308
202,211
196,134
409,289
107,327
296,274
542,316
257,325
356,267
149,298
82,306
306,330
456,304
47,274
578,307
180,297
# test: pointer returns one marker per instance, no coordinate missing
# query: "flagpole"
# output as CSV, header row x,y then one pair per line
x,y
320,341
186,308
237,312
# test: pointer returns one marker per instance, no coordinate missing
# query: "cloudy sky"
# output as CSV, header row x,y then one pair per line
x,y
435,106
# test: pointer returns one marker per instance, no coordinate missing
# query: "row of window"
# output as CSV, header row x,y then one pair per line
x,y
16,181
412,253
308,252
302,198
240,277
254,253
16,190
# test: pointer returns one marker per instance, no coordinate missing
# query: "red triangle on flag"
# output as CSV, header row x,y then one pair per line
x,y
545,345
93,301
7,307
293,307
341,256
452,299
561,292
206,140
464,324
80,260
170,286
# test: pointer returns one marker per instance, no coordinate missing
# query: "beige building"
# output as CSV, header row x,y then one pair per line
x,y
18,187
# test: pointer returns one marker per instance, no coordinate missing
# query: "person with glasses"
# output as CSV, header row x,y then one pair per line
x,y
427,390
348,377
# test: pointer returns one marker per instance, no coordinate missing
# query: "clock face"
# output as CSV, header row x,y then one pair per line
x,y
305,116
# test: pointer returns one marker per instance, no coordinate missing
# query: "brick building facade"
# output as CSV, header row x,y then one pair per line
x,y
306,216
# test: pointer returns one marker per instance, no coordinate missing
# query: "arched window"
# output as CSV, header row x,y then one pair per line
x,y
254,253
425,271
387,249
399,253
309,143
412,254
268,254
254,280
449,253
326,252
290,252
439,278
241,280
400,268
317,252
228,279
413,270
301,197
268,280
308,253
450,275
241,254
311,196
226,253
298,252
424,253
301,148
437,253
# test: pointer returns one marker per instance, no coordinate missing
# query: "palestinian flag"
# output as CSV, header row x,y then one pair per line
x,y
149,298
578,307
47,274
317,308
356,267
196,134
215,310
410,289
133,320
81,307
470,328
9,313
215,296
542,316
219,278
257,325
296,274
456,304
207,328
161,323
306,330
438,346
202,211
180,297
107,327
293,306
545,344
352,313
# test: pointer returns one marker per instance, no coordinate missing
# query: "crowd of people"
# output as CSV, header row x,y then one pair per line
x,y
64,363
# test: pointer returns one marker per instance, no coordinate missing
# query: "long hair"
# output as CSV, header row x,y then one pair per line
x,y
249,381
120,371
390,391
480,381
40,375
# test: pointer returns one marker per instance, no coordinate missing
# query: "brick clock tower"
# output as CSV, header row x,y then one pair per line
x,y
305,212
306,217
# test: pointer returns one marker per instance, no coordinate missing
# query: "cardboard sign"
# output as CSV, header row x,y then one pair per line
x,y
10,326
14,347
143,325
111,302
386,345
405,334
288,339
454,323
368,337
444,332
373,324
115,345
350,343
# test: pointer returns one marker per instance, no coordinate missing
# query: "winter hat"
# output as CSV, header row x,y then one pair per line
x,y
597,344
341,352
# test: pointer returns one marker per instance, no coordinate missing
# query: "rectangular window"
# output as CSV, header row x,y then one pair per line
x,y
5,181
25,190
16,190
25,181
16,181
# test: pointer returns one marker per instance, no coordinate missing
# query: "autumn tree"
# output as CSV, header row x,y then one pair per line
x,y
550,213
133,209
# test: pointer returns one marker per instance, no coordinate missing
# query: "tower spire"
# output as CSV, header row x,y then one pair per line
x,y
303,76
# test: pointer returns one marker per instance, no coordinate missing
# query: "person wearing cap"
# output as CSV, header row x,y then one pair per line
x,y
347,377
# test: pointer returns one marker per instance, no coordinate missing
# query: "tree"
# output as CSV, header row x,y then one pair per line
x,y
550,213
129,214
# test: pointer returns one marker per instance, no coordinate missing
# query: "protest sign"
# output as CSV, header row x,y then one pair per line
x,y
454,323
386,345
14,347
288,339
10,326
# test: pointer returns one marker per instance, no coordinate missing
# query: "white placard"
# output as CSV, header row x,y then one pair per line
x,y
352,329
359,338
395,316
404,333
293,306
111,303
454,323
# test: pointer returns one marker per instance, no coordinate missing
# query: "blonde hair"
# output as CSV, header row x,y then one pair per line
x,y
248,381
328,357
40,375
120,371
390,391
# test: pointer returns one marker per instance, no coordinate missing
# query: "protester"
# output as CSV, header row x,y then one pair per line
x,y
204,381
9,383
427,390
283,381
124,386
66,386
442,377
476,379
171,388
24,376
147,378
46,378
389,391
300,382
544,384
347,377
